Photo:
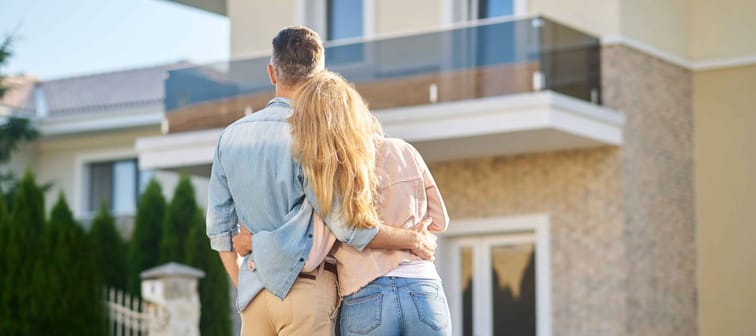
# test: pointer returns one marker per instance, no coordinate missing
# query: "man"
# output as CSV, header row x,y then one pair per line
x,y
255,181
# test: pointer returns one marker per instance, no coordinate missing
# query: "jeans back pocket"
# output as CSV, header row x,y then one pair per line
x,y
430,303
361,315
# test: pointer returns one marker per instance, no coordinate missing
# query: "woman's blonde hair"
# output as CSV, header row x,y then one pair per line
x,y
335,138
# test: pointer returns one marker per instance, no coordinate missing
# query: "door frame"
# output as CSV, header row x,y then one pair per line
x,y
537,226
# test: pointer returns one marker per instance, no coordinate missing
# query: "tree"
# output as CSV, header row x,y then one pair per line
x,y
178,219
72,275
3,267
5,54
13,130
144,247
109,249
215,316
23,230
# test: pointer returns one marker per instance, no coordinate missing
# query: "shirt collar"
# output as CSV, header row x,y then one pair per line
x,y
279,101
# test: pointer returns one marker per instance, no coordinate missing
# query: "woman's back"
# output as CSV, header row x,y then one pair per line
x,y
407,194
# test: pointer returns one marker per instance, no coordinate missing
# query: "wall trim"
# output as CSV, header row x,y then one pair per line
x,y
648,49
727,62
710,64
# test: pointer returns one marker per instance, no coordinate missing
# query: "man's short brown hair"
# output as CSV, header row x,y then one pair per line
x,y
297,55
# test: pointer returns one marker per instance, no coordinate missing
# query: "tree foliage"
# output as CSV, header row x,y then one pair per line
x,y
73,275
144,247
23,232
13,130
215,318
109,248
178,219
5,54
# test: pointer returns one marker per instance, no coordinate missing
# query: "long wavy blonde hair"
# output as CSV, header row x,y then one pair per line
x,y
335,139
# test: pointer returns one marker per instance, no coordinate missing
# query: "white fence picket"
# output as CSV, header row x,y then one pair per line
x,y
128,315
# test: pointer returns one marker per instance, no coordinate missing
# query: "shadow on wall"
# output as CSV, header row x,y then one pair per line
x,y
513,316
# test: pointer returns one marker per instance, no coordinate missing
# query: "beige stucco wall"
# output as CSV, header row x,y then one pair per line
x,y
723,29
726,190
58,160
398,16
254,23
664,25
598,17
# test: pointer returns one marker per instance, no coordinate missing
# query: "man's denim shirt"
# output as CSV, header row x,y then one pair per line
x,y
256,182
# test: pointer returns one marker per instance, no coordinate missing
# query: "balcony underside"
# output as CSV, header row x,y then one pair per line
x,y
493,126
213,6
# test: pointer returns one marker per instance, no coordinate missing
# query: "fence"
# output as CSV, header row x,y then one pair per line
x,y
129,315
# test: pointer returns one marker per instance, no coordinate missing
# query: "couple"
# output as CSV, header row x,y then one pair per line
x,y
335,210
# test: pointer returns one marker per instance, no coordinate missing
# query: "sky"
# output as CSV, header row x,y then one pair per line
x,y
63,38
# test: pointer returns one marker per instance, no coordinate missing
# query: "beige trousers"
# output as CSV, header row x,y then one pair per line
x,y
308,309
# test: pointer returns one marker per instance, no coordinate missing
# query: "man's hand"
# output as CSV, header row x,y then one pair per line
x,y
425,242
242,242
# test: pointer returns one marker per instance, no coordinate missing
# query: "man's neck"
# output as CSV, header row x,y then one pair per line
x,y
286,92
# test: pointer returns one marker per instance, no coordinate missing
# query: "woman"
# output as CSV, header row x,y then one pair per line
x,y
373,179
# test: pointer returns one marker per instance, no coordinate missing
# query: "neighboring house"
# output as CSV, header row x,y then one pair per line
x,y
88,127
561,135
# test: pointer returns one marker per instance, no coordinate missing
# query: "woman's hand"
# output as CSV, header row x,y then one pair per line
x,y
242,242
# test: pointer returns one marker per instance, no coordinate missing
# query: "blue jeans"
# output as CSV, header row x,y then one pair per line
x,y
397,306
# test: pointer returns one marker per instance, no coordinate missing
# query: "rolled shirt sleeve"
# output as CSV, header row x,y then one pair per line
x,y
221,223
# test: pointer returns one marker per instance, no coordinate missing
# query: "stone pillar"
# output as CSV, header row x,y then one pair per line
x,y
170,291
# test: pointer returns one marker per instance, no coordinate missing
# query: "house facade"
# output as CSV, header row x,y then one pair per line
x,y
593,154
88,127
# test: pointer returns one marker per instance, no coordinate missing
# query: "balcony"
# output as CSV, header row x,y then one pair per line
x,y
491,88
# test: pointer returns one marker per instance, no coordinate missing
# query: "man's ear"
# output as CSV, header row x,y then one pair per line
x,y
272,74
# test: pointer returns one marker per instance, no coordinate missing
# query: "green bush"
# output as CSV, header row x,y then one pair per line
x,y
109,249
23,234
73,275
144,247
215,318
178,220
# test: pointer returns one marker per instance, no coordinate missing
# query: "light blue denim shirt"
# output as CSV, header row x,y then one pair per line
x,y
256,182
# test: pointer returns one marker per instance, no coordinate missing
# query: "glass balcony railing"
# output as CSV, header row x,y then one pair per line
x,y
482,60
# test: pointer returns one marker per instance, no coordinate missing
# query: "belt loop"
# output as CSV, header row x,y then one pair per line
x,y
321,268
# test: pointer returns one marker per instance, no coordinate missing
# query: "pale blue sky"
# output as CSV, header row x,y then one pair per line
x,y
61,38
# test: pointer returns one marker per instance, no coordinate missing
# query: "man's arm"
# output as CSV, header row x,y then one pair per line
x,y
229,263
221,223
421,243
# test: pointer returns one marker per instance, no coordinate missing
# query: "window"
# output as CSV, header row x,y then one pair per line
x,y
485,9
117,183
495,289
494,8
344,19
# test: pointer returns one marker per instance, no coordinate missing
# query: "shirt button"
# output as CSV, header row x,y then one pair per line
x,y
301,259
310,235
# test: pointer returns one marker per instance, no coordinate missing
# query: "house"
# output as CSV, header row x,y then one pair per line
x,y
88,126
583,200
594,154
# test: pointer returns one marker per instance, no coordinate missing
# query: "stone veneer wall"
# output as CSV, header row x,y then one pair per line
x,y
623,219
581,190
658,189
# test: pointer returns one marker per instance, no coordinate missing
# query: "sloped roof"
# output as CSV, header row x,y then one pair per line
x,y
98,91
